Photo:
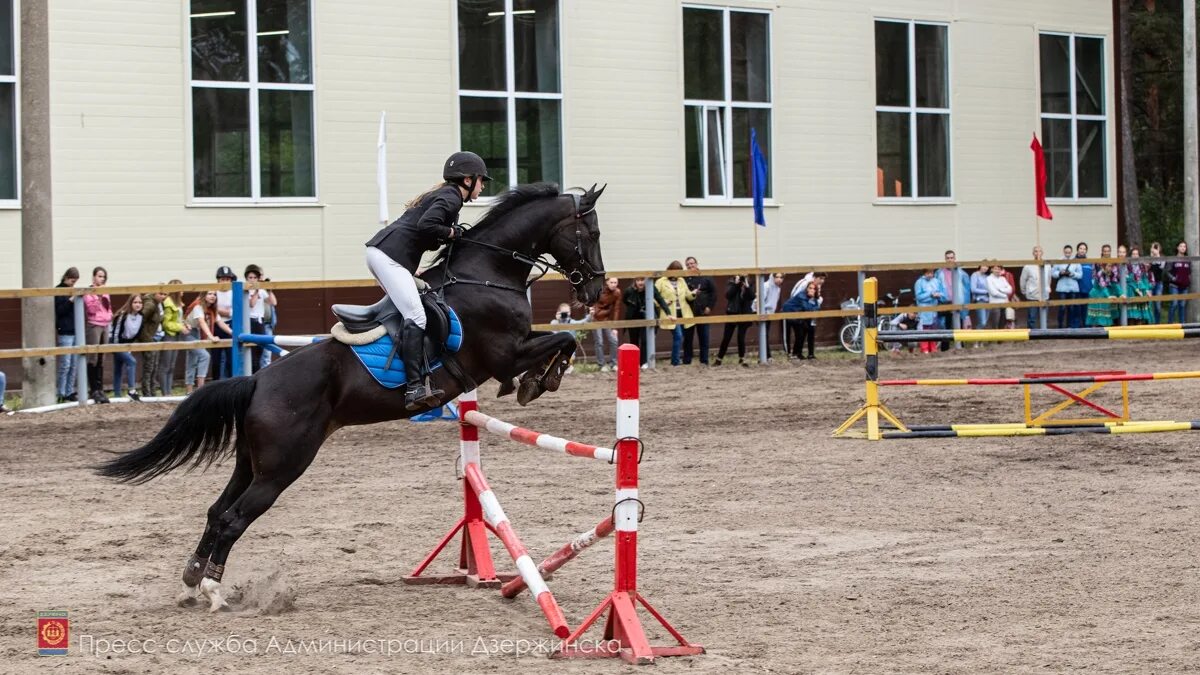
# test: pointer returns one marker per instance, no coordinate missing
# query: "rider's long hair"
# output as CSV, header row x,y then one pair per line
x,y
416,201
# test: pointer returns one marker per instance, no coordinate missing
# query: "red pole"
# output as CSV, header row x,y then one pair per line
x,y
625,519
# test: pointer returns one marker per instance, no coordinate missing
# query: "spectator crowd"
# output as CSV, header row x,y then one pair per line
x,y
157,317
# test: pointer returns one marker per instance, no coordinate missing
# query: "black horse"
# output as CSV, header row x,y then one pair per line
x,y
283,414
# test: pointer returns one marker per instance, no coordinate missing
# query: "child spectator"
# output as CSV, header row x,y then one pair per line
x,y
201,318
173,329
979,294
1178,280
739,299
1157,275
1104,282
676,296
930,293
64,326
152,316
221,358
1139,285
258,299
97,309
805,329
126,327
605,309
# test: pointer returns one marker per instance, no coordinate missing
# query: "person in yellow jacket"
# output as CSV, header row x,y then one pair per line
x,y
174,330
677,296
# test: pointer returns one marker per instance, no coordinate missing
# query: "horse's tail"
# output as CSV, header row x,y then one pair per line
x,y
199,432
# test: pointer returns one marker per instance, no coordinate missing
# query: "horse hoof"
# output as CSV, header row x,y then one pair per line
x,y
212,590
193,571
507,386
189,597
528,391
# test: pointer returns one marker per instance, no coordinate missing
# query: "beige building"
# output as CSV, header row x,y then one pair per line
x,y
893,129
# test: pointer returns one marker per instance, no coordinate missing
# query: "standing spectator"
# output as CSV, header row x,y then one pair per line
x,y
152,317
174,329
979,294
1087,273
605,309
706,298
1099,312
270,320
258,299
770,298
222,361
805,329
929,293
634,301
1066,277
1010,313
999,291
958,292
739,299
1157,275
1138,284
1035,285
201,317
799,290
64,326
126,326
1179,280
3,389
97,309
676,296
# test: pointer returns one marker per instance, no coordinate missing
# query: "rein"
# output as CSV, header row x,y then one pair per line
x,y
575,277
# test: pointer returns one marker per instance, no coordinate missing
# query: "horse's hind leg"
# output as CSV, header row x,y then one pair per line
x,y
193,571
279,462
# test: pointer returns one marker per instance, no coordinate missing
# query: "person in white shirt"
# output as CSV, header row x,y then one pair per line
x,y
258,300
1035,285
998,291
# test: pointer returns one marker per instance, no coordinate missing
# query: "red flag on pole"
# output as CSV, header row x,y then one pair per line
x,y
1039,181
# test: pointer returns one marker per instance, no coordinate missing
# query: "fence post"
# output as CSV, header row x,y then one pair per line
x,y
649,316
81,381
1123,275
238,302
956,315
762,324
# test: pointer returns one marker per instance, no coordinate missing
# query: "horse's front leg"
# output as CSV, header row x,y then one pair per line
x,y
543,357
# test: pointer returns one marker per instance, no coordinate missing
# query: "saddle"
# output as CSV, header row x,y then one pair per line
x,y
373,331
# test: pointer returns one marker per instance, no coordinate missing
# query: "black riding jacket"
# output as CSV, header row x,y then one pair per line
x,y
422,228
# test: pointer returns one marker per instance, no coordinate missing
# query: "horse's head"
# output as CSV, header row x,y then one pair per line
x,y
575,245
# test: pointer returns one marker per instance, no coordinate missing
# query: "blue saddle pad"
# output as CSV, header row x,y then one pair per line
x,y
375,355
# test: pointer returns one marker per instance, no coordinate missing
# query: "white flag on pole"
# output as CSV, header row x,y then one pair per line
x,y
381,168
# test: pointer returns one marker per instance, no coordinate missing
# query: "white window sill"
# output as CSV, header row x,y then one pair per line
x,y
10,205
741,202
253,203
917,201
1079,202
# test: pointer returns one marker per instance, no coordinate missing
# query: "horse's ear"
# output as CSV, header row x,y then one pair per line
x,y
591,196
597,193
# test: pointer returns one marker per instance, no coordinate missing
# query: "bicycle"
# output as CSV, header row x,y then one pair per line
x,y
851,334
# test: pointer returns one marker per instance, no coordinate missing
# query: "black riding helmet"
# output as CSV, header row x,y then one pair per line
x,y
465,165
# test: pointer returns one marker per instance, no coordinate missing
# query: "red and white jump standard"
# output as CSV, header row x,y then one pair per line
x,y
623,633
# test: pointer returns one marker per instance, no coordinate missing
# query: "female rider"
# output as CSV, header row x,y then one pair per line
x,y
394,253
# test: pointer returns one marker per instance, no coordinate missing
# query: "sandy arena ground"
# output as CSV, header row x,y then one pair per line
x,y
778,548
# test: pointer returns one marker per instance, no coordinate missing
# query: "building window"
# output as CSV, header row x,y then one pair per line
x,y
9,157
726,93
1073,116
510,89
252,100
912,110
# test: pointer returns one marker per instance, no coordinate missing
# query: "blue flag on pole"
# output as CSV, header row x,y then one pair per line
x,y
758,183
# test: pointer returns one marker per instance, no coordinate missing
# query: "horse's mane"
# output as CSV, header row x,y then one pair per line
x,y
514,199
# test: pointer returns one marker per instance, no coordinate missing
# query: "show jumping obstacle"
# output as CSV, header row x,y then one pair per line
x,y
482,513
1043,424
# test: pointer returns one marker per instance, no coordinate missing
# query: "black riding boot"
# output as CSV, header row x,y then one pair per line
x,y
96,383
416,394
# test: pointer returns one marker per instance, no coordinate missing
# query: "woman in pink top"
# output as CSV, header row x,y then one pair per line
x,y
97,311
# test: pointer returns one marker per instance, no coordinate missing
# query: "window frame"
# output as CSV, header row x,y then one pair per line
x,y
511,95
726,107
913,110
253,86
15,79
1074,116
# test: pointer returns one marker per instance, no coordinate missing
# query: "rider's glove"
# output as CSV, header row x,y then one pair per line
x,y
456,232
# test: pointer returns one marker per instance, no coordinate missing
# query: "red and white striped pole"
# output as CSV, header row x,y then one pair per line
x,y
625,513
496,517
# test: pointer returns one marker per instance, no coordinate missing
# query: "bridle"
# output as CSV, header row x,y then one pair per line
x,y
578,276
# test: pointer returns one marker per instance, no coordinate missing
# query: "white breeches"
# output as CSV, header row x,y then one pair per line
x,y
398,283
